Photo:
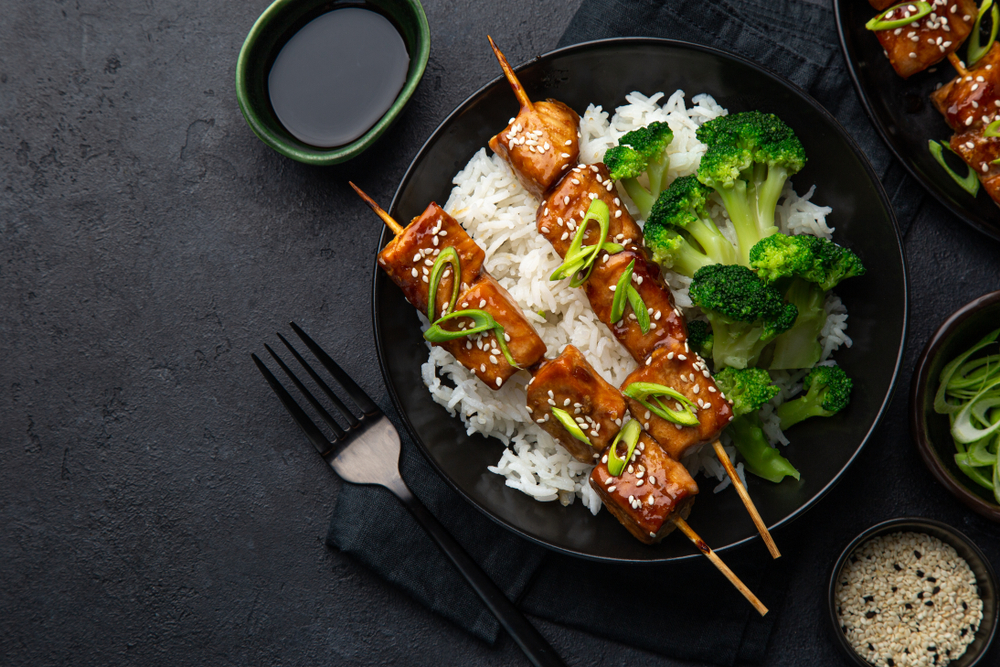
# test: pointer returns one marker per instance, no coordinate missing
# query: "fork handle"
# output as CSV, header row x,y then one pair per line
x,y
538,651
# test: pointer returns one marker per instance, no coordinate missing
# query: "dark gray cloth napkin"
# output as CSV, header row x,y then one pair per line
x,y
703,618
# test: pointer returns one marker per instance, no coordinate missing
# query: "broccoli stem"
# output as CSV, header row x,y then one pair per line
x,y
656,171
792,412
716,246
640,196
799,347
735,201
736,344
759,457
768,193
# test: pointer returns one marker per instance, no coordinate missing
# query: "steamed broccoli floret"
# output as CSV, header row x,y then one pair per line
x,y
828,391
700,338
817,260
680,231
750,157
638,151
745,314
749,389
799,347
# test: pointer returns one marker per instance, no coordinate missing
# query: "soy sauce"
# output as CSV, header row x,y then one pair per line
x,y
337,76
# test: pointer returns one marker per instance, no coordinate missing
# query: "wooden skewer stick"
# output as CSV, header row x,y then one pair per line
x,y
745,497
957,63
396,228
705,549
508,71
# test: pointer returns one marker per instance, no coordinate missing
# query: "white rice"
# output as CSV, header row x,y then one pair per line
x,y
500,215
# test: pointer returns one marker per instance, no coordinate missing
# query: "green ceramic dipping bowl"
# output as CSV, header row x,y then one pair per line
x,y
275,27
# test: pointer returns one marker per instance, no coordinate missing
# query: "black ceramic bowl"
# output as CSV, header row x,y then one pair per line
x,y
603,73
986,581
902,112
963,329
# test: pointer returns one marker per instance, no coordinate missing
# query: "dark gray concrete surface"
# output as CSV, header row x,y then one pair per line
x,y
157,506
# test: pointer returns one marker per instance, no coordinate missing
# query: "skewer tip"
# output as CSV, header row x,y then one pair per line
x,y
508,71
744,495
717,562
396,228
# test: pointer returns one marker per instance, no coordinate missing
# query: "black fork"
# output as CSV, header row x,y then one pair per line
x,y
367,452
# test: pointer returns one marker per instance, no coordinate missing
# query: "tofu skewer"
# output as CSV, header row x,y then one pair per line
x,y
649,492
494,340
562,210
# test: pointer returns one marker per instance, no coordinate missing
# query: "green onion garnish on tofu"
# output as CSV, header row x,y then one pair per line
x,y
651,396
883,22
625,292
975,50
570,425
448,256
630,434
969,182
482,322
579,260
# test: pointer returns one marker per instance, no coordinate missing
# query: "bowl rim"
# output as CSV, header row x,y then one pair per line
x,y
918,392
914,524
337,154
682,44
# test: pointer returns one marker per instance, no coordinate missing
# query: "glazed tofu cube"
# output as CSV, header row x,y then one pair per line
x,y
570,383
408,258
677,367
979,151
651,490
481,353
566,206
666,324
540,144
914,48
972,101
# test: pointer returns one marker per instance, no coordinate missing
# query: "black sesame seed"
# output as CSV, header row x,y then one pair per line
x,y
870,647
868,598
933,580
908,605
929,603
965,606
893,589
844,628
898,568
964,632
890,662
920,573
932,649
920,595
906,651
936,590
870,614
916,553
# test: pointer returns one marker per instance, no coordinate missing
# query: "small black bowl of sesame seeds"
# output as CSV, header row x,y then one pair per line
x,y
913,591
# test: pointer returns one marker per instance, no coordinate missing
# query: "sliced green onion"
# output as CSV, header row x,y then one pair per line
x,y
969,182
612,248
975,50
579,260
639,308
962,461
979,453
630,434
570,425
445,257
621,290
650,395
993,129
941,405
880,22
482,321
970,422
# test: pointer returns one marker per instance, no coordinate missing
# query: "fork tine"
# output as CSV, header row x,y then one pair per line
x,y
312,432
327,417
366,404
322,385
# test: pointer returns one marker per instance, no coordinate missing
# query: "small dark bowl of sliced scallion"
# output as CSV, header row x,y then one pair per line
x,y
955,405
